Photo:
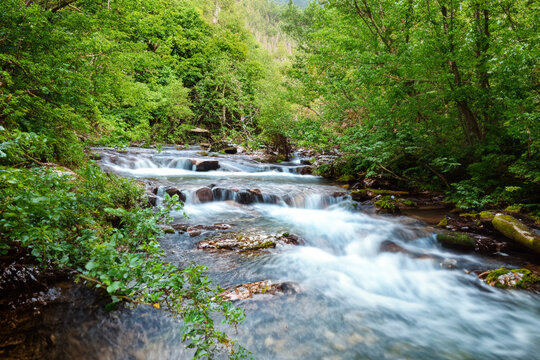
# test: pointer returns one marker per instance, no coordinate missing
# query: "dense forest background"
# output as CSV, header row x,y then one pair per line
x,y
442,95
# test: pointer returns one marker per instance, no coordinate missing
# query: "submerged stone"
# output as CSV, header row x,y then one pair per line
x,y
243,242
251,290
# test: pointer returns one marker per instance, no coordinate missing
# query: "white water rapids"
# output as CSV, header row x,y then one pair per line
x,y
357,301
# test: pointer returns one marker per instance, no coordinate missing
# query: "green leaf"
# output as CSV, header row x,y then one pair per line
x,y
91,265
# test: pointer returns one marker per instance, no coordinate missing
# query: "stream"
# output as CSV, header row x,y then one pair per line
x,y
356,299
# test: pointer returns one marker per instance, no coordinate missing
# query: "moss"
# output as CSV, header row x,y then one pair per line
x,y
409,203
203,153
346,178
285,234
443,222
168,230
486,215
473,215
517,231
456,240
516,208
386,192
524,280
264,245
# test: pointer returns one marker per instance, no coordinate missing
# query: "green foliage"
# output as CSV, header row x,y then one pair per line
x,y
101,75
387,202
439,95
97,224
19,148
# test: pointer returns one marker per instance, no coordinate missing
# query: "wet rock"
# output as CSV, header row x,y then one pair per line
x,y
180,227
255,289
200,229
167,229
204,194
221,194
291,239
511,279
305,170
455,240
243,241
245,197
230,150
249,196
171,191
368,193
152,199
205,165
95,156
392,247
205,146
515,230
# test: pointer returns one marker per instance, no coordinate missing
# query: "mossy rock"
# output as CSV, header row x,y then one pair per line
x,y
168,230
346,178
408,202
360,195
512,279
456,240
486,215
443,222
516,231
387,204
516,208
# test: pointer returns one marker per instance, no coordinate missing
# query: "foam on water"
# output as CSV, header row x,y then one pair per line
x,y
397,305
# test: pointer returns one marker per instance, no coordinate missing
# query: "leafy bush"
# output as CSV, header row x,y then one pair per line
x,y
98,225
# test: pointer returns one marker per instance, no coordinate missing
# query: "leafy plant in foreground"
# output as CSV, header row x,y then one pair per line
x,y
95,224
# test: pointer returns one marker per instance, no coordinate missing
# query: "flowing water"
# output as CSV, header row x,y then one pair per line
x,y
357,301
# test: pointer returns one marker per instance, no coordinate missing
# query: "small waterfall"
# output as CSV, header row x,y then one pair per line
x,y
190,197
143,163
160,193
181,163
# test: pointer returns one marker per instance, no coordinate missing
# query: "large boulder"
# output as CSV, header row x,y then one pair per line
x,y
205,165
204,194
515,230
